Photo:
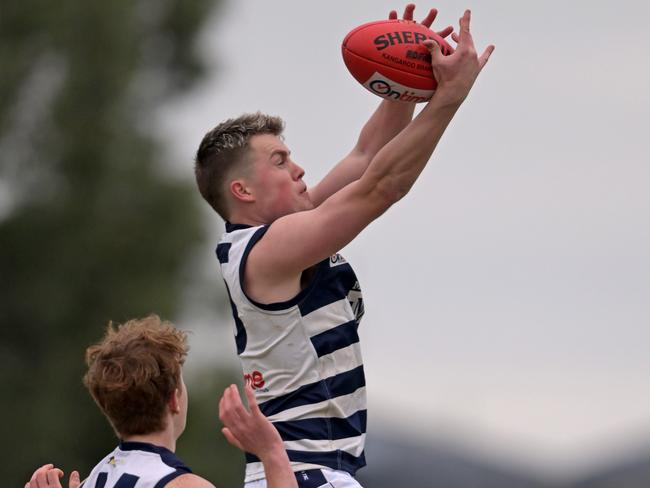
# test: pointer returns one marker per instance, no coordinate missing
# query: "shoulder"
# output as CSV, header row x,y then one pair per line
x,y
189,480
235,245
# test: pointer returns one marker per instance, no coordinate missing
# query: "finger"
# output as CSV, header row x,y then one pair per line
x,y
43,468
392,15
486,55
428,20
449,50
465,36
234,411
53,476
227,413
222,405
446,31
434,49
408,11
252,402
455,38
41,479
240,403
235,399
75,480
231,438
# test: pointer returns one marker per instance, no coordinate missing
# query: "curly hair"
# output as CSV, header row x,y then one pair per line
x,y
223,149
133,371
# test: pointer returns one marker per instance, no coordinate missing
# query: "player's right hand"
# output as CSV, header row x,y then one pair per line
x,y
248,430
47,476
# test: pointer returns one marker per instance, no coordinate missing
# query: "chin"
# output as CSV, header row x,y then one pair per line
x,y
306,206
307,203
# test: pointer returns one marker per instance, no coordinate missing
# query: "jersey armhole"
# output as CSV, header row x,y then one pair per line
x,y
276,306
170,477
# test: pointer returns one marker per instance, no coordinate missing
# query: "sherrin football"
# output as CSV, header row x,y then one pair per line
x,y
389,59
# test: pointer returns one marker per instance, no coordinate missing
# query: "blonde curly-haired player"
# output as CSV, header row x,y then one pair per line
x,y
135,377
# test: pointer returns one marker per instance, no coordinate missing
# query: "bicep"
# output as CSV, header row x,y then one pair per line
x,y
297,241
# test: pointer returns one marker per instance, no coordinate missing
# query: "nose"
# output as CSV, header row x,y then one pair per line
x,y
298,172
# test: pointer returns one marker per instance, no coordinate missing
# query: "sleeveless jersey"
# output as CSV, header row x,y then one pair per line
x,y
136,465
302,358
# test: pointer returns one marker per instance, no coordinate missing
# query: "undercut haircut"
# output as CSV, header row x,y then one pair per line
x,y
224,149
133,372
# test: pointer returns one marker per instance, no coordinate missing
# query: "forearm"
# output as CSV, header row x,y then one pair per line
x,y
278,470
385,123
399,163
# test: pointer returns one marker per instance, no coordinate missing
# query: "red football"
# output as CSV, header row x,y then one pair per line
x,y
388,58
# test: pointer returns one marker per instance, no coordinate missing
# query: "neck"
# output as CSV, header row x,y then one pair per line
x,y
250,216
237,218
164,439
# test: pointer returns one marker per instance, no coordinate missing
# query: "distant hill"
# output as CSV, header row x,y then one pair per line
x,y
398,463
633,473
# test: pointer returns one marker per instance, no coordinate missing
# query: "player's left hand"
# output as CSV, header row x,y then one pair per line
x,y
428,20
47,476
457,72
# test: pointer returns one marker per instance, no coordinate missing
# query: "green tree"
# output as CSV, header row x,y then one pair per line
x,y
92,226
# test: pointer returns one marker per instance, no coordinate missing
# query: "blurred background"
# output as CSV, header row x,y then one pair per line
x,y
507,347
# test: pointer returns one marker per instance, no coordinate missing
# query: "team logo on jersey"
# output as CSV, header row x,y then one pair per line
x,y
336,260
112,461
255,379
356,301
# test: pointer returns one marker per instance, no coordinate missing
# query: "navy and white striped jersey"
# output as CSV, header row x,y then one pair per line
x,y
136,465
302,358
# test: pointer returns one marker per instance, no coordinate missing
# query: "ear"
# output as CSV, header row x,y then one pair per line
x,y
240,191
174,401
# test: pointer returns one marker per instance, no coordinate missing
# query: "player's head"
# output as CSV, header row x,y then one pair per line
x,y
134,376
223,155
232,169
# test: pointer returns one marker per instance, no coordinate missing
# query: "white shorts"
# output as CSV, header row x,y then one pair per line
x,y
316,478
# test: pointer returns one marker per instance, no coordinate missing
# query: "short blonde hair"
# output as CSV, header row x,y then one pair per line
x,y
223,149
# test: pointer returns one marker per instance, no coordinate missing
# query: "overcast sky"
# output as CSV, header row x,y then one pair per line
x,y
508,295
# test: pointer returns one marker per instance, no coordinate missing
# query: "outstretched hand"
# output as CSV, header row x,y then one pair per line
x,y
428,20
457,72
247,430
47,476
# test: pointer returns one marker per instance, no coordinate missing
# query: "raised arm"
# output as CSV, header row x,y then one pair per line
x,y
251,431
300,240
385,123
